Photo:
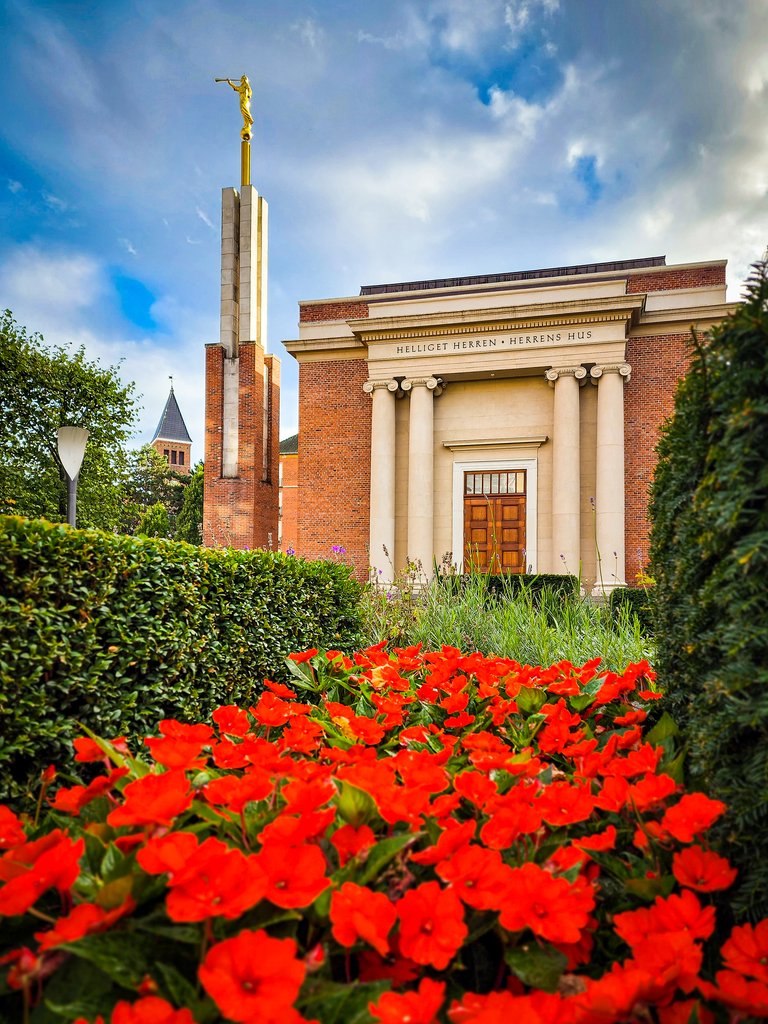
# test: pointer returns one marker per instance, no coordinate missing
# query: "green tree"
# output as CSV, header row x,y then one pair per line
x,y
150,482
709,556
41,389
189,523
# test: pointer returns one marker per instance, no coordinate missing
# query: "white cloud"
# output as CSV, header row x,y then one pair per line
x,y
309,32
60,283
128,245
14,186
204,218
55,203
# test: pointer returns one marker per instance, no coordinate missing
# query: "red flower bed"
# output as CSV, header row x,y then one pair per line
x,y
436,837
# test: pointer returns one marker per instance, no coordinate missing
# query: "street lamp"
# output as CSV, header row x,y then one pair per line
x,y
71,444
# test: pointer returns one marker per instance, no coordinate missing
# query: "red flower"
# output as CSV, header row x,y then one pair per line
x,y
684,1012
232,720
253,977
552,908
563,804
734,990
295,875
350,841
55,868
73,800
702,870
477,875
414,1007
235,792
88,750
746,951
692,814
150,1010
168,854
303,655
217,882
84,919
678,913
153,800
360,913
432,925
11,830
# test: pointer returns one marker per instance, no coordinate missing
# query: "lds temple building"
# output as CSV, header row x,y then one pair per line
x,y
505,421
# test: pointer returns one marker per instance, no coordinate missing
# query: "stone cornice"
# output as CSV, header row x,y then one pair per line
x,y
298,346
687,315
614,309
534,441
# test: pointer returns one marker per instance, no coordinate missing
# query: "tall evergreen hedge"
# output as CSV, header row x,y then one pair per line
x,y
118,632
709,553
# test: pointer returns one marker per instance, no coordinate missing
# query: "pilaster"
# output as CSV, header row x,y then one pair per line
x,y
382,516
422,392
566,461
609,487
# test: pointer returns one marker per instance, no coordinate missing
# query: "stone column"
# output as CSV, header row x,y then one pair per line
x,y
566,464
421,471
609,488
382,522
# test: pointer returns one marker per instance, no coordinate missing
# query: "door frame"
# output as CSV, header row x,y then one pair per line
x,y
531,504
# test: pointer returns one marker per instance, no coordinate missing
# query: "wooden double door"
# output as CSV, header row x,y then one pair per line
x,y
494,521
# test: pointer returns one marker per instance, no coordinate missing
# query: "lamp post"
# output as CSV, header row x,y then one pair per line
x,y
71,445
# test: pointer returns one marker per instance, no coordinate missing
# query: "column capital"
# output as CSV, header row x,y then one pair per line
x,y
623,369
554,373
433,384
372,385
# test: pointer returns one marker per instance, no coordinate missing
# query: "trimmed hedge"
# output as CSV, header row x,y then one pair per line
x,y
638,601
709,558
509,585
116,632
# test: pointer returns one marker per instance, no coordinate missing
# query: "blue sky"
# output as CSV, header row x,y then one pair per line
x,y
392,141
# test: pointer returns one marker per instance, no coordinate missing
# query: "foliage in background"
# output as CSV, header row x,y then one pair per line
x,y
709,557
117,632
515,619
41,389
189,522
161,502
637,601
433,837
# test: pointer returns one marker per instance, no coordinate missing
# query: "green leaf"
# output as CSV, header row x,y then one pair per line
x,y
356,807
381,854
176,987
530,698
537,966
650,888
333,1003
122,956
664,728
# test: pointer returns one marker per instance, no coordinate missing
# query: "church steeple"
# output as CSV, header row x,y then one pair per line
x,y
171,439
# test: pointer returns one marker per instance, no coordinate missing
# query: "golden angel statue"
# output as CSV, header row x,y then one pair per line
x,y
243,89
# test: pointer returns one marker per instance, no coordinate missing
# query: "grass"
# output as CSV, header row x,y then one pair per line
x,y
532,628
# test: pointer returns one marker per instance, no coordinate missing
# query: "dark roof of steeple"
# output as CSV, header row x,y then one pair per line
x,y
172,426
290,445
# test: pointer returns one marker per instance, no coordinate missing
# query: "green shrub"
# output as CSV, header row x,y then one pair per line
x,y
509,585
709,558
533,627
117,631
638,601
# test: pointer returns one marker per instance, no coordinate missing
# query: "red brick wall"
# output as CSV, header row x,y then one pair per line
x,y
183,447
349,310
290,502
334,460
671,280
658,363
240,512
